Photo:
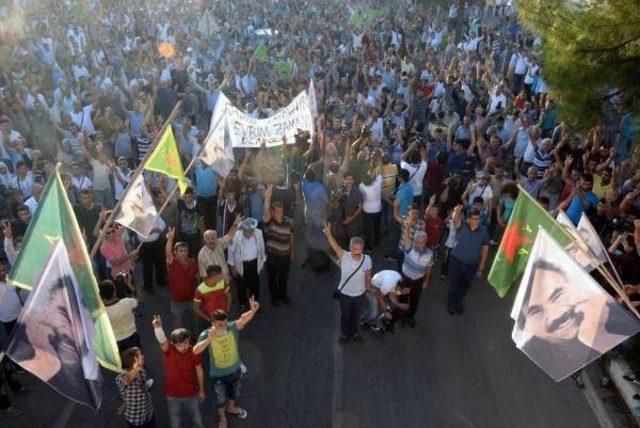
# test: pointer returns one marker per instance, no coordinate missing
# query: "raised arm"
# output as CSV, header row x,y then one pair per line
x,y
246,317
332,241
159,333
168,248
266,215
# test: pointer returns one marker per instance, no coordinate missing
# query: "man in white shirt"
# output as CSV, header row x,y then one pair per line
x,y
247,257
416,164
382,301
78,180
34,200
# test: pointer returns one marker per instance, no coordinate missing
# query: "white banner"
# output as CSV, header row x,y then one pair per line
x,y
249,132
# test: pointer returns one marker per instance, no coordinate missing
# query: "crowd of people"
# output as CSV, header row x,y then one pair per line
x,y
430,120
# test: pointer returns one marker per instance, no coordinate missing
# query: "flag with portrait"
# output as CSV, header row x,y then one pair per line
x,y
564,319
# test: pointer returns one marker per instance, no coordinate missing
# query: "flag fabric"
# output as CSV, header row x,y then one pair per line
x,y
313,102
166,159
517,240
591,239
356,19
578,249
54,219
563,318
284,68
217,149
260,53
137,211
54,334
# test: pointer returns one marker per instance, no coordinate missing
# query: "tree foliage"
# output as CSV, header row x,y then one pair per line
x,y
591,52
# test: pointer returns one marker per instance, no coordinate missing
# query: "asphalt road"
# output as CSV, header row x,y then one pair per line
x,y
450,371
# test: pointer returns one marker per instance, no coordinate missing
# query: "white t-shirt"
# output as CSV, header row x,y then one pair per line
x,y
385,281
416,174
81,182
121,317
101,173
483,191
356,285
372,196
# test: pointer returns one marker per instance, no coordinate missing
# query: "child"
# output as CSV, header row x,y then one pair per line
x,y
133,388
478,205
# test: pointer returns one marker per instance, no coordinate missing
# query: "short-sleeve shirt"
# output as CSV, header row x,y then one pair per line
x,y
416,264
212,297
356,285
277,237
575,210
121,317
385,281
224,354
470,243
180,372
182,280
113,250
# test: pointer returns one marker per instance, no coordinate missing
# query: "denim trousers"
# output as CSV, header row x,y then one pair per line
x,y
191,407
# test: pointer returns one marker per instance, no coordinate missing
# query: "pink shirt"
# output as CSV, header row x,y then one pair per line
x,y
112,250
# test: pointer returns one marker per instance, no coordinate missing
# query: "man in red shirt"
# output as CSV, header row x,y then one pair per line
x,y
182,275
212,294
184,377
434,226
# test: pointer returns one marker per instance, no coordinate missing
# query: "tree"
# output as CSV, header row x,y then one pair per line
x,y
591,53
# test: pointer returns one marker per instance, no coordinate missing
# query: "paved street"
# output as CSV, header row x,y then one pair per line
x,y
460,371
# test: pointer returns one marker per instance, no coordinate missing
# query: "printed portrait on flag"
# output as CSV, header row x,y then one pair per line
x,y
53,338
565,319
137,211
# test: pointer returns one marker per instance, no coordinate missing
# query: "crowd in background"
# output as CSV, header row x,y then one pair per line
x,y
429,119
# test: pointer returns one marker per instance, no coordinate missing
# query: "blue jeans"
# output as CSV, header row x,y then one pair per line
x,y
371,312
190,405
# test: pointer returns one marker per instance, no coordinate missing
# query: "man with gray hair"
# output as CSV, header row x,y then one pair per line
x,y
355,284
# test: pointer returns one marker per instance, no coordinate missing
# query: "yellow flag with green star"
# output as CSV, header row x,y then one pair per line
x,y
165,159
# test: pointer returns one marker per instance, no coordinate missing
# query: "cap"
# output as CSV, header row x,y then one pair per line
x,y
211,77
249,223
481,174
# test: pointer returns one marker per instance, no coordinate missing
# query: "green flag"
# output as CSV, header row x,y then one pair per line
x,y
284,68
356,19
166,159
261,52
518,238
54,220
377,12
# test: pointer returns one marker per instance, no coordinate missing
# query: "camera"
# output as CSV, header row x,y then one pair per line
x,y
622,225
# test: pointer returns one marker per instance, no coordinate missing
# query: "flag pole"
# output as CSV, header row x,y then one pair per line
x,y
138,171
603,272
186,171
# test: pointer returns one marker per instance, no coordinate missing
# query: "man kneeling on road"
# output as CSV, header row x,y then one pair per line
x,y
383,302
224,368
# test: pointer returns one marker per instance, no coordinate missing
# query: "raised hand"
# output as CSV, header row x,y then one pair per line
x,y
157,321
171,233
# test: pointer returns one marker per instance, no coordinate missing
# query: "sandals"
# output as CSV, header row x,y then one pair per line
x,y
240,413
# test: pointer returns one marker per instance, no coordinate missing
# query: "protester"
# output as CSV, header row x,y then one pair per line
x,y
212,295
246,258
182,273
184,377
121,315
468,258
355,284
222,340
279,244
133,387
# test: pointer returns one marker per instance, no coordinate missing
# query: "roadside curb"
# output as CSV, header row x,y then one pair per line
x,y
617,369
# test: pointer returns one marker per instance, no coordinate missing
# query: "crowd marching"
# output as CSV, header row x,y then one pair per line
x,y
431,120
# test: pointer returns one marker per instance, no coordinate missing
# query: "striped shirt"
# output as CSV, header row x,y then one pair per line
x,y
277,237
144,144
543,161
415,264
